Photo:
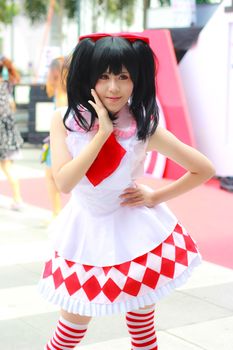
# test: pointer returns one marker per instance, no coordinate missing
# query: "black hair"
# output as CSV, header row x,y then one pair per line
x,y
91,59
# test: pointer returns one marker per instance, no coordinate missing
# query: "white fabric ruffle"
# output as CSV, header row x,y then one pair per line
x,y
134,303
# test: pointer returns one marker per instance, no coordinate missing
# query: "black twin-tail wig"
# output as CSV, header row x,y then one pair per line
x,y
90,60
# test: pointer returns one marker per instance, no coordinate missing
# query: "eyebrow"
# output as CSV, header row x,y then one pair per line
x,y
122,72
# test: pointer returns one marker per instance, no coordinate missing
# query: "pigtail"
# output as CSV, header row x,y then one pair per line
x,y
143,104
77,83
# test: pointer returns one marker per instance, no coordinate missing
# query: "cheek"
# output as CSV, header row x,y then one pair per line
x,y
99,88
129,89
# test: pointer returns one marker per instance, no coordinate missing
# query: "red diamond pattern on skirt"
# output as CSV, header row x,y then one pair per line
x,y
58,278
141,260
132,286
157,250
47,269
170,240
91,287
123,268
111,284
190,244
72,283
87,267
181,256
179,229
107,269
150,278
70,263
167,268
111,290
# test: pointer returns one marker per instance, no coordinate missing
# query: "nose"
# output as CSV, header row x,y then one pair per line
x,y
113,85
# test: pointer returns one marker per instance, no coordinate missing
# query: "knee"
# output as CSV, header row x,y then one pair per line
x,y
152,306
75,318
6,167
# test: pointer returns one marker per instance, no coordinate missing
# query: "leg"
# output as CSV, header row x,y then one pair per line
x,y
141,328
7,168
53,192
70,331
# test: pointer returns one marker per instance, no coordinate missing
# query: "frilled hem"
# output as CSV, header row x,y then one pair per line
x,y
93,309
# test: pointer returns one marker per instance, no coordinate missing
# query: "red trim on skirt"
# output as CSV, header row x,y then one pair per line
x,y
119,283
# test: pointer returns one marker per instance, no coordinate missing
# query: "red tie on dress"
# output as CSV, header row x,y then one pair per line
x,y
107,161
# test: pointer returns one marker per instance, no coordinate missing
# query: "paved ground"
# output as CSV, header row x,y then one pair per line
x,y
197,316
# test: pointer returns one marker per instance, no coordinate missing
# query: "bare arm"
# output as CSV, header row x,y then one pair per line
x,y
199,169
68,172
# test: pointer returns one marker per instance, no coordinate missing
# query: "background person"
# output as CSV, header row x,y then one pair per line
x,y
54,88
10,138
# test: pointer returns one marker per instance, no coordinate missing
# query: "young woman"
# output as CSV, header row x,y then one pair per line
x,y
116,246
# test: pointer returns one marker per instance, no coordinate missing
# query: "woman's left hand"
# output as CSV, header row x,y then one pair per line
x,y
140,195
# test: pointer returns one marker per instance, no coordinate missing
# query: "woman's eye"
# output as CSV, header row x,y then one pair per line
x,y
103,76
123,77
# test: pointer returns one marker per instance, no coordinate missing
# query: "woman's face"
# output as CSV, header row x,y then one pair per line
x,y
113,90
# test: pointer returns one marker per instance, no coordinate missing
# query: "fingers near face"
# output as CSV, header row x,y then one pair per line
x,y
96,97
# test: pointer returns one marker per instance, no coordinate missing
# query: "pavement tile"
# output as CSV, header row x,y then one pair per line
x,y
14,276
211,335
208,274
181,309
115,344
220,295
165,342
16,335
22,301
14,254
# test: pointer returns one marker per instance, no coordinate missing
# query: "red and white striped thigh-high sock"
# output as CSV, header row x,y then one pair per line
x,y
141,328
66,336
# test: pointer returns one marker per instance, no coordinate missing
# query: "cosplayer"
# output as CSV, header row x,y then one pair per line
x,y
56,89
117,248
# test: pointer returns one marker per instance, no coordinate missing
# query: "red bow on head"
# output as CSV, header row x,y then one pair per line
x,y
127,36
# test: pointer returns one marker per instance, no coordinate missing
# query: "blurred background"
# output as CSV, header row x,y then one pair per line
x,y
193,41
33,32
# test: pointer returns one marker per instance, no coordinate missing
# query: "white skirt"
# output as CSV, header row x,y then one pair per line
x,y
105,290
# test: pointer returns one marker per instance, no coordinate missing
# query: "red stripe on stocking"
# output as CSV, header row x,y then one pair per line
x,y
141,328
66,336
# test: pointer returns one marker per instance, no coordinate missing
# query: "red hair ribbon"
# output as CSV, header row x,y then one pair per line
x,y
127,36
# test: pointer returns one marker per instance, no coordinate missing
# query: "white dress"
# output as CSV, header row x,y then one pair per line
x,y
108,258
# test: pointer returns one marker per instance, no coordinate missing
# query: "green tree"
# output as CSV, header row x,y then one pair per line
x,y
168,2
7,11
208,1
37,10
123,9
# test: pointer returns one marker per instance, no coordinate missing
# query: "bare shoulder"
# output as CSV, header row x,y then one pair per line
x,y
57,121
162,139
57,118
58,134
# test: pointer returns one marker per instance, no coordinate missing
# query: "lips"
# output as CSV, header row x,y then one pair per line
x,y
113,98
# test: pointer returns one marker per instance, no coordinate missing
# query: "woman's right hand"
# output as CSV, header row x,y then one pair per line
x,y
105,123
